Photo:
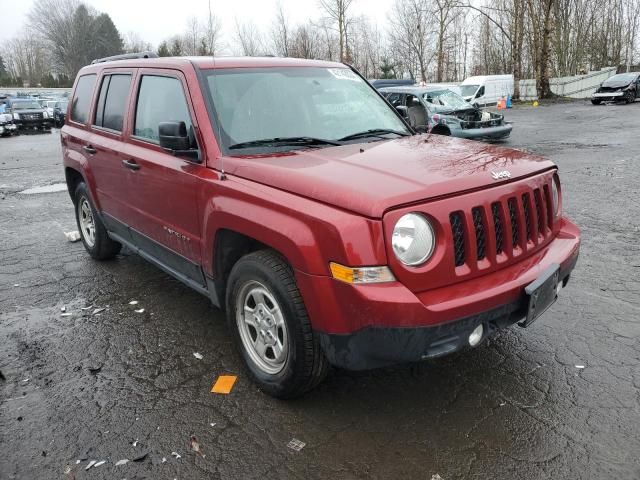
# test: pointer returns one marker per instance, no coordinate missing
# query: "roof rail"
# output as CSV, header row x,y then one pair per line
x,y
125,56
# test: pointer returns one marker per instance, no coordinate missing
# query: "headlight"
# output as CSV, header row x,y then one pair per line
x,y
45,114
16,116
555,191
413,239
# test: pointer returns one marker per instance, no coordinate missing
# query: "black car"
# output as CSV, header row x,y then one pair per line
x,y
28,114
60,113
622,87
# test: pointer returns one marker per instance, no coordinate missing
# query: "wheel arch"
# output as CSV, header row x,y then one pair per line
x,y
441,130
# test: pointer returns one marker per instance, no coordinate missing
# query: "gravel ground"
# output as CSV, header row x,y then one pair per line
x,y
119,384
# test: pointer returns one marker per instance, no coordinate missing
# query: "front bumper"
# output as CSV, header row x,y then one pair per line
x,y
7,129
370,326
34,124
503,131
608,95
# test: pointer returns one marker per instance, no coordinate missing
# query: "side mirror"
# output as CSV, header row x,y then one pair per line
x,y
173,136
403,111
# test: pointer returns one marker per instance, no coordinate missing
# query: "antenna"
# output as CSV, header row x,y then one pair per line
x,y
223,176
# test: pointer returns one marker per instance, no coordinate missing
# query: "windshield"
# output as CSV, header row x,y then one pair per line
x,y
61,105
621,78
468,90
445,100
25,105
313,102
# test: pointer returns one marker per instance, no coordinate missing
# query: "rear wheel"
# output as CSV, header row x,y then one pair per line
x,y
271,327
94,235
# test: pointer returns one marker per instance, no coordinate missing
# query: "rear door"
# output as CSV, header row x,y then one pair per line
x,y
163,187
75,135
106,144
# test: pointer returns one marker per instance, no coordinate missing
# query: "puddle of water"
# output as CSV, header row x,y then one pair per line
x,y
56,187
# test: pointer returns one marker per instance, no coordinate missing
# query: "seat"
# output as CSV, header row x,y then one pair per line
x,y
417,113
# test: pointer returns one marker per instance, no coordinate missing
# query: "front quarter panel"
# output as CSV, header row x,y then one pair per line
x,y
309,234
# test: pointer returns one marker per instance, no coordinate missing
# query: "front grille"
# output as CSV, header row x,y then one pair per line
x,y
481,240
527,216
31,116
457,229
513,215
538,201
497,225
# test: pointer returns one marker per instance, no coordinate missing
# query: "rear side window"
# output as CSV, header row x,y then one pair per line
x,y
112,101
82,98
160,99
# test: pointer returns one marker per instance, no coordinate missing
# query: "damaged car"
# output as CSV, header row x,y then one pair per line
x,y
441,111
7,127
624,87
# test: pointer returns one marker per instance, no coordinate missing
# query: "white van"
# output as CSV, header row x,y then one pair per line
x,y
486,90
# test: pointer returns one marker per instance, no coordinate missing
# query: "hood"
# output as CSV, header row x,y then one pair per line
x,y
372,178
615,85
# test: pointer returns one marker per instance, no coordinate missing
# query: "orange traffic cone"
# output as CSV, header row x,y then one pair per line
x,y
502,104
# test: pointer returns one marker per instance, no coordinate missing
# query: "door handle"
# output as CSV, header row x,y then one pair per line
x,y
130,164
89,149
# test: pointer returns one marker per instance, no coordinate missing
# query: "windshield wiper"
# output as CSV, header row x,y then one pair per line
x,y
283,142
373,132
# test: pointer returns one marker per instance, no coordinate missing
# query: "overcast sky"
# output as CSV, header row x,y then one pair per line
x,y
155,20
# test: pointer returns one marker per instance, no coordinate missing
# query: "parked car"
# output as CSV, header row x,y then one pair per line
x,y
48,106
485,90
391,82
7,127
294,197
60,112
623,87
441,111
29,115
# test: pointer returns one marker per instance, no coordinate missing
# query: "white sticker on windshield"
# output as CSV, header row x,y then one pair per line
x,y
344,74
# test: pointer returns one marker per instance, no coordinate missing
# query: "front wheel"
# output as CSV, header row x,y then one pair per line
x,y
630,97
94,235
271,327
595,102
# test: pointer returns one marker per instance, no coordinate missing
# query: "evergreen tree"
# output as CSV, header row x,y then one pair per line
x,y
108,39
387,68
176,47
163,49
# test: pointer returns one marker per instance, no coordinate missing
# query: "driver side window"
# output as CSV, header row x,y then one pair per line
x,y
160,99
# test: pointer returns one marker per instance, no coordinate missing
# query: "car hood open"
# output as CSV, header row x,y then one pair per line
x,y
372,178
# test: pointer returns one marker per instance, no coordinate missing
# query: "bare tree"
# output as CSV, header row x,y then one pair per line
x,y
192,36
337,10
211,32
26,58
133,43
305,42
410,36
248,39
281,32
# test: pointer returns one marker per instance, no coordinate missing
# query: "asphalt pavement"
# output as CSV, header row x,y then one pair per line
x,y
559,400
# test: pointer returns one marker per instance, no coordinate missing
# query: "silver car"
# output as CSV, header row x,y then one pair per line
x,y
441,111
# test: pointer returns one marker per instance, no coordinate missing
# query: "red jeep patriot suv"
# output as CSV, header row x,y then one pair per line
x,y
296,198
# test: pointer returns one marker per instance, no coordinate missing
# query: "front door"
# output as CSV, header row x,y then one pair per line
x,y
163,187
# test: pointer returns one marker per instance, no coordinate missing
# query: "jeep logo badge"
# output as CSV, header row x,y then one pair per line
x,y
501,175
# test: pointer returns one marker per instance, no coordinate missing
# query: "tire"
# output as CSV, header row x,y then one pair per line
x,y
630,97
301,365
98,244
595,102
